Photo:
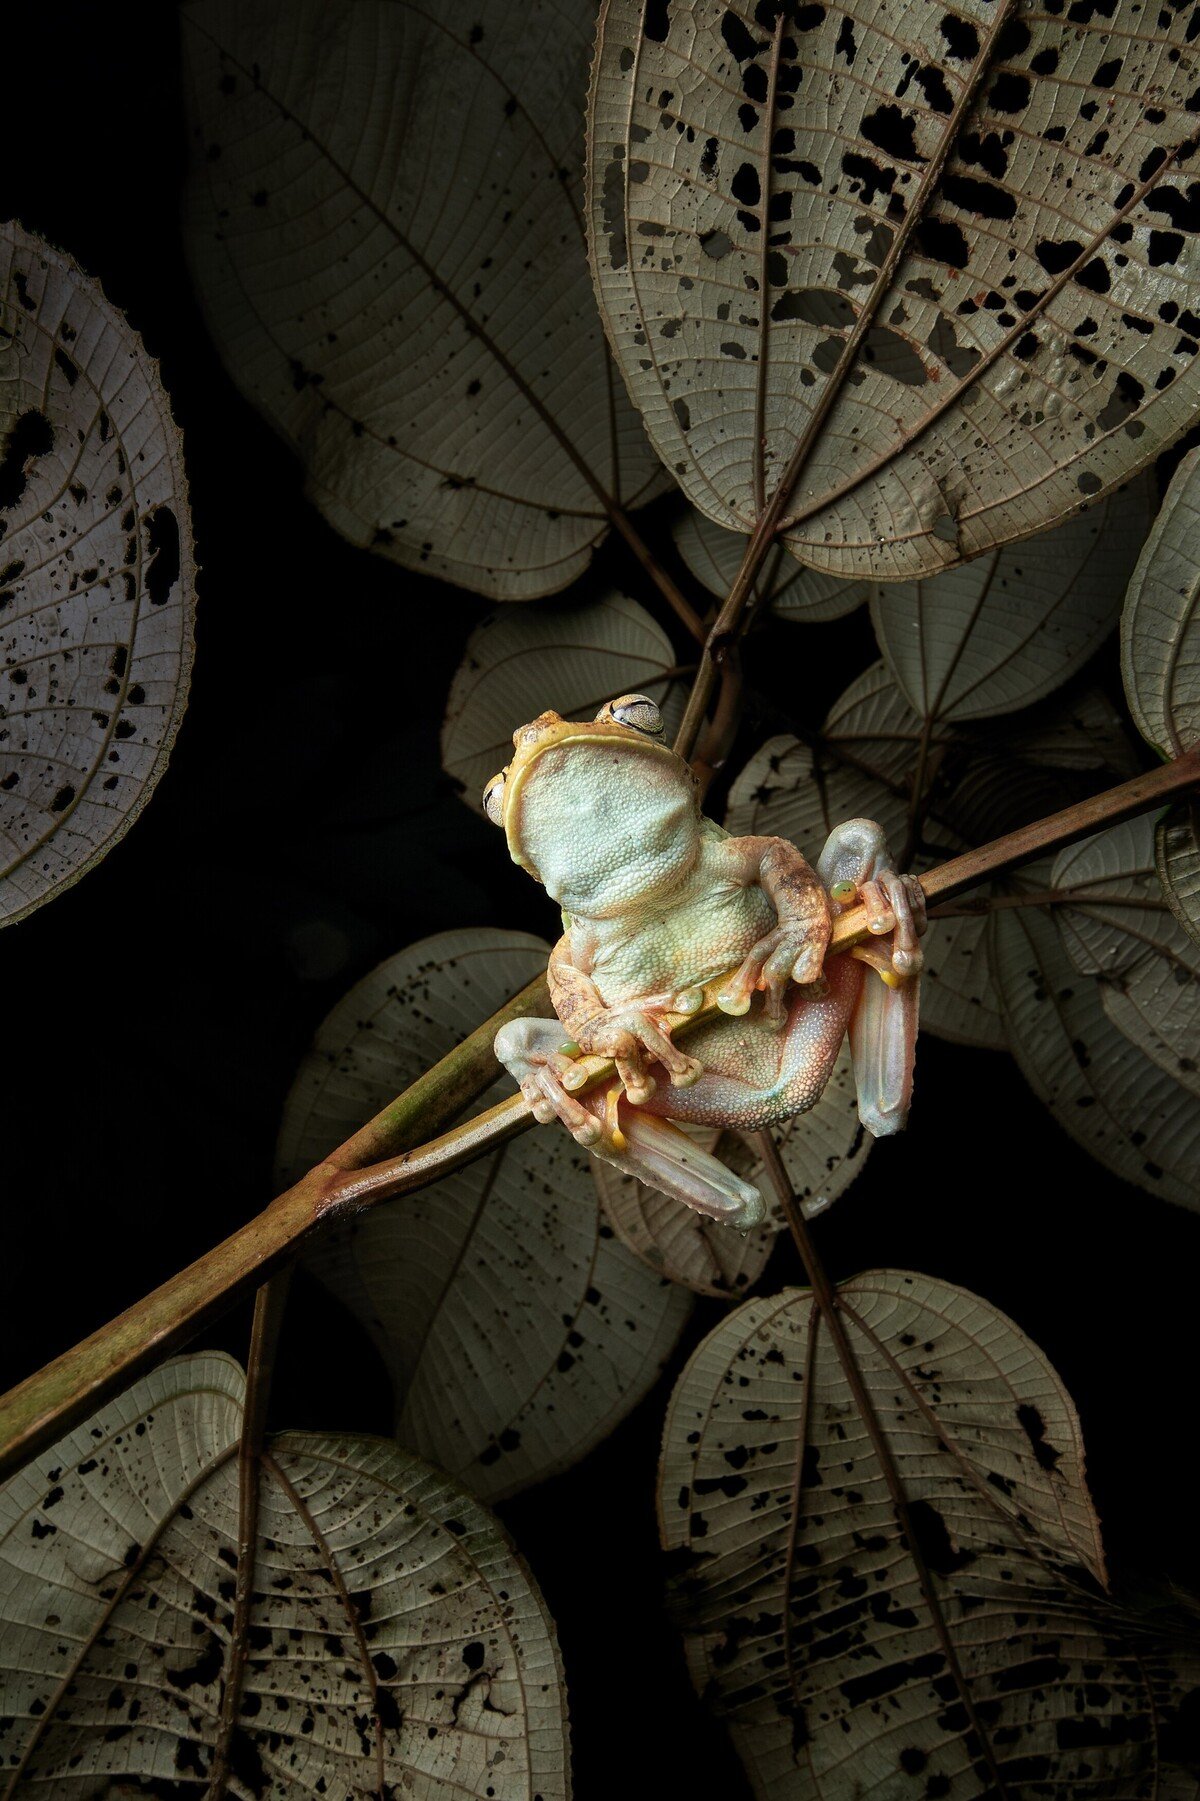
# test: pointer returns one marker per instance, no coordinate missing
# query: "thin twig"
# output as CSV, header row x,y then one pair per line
x,y
39,1410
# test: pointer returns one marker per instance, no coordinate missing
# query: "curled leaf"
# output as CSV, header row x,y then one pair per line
x,y
714,555
394,1641
806,1618
1118,927
1160,624
884,279
1113,1099
96,574
516,1329
384,222
571,658
1005,629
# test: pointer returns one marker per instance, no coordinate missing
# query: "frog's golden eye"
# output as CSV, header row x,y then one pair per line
x,y
493,798
636,710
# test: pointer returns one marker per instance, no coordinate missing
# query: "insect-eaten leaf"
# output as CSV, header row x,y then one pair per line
x,y
573,658
995,1665
518,1331
1119,1103
96,574
841,280
806,596
822,1150
1001,632
383,219
393,1641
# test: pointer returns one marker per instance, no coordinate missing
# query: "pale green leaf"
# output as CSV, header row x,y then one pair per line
x,y
520,662
383,218
516,1330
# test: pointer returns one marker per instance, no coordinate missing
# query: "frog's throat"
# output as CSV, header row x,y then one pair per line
x,y
569,732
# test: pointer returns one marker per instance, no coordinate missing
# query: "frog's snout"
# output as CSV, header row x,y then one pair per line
x,y
537,728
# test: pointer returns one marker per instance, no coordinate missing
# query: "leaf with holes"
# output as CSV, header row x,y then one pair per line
x,y
1160,625
1003,631
822,1150
519,663
383,219
880,284
806,596
516,1330
391,1638
843,1666
1119,928
1113,1099
96,574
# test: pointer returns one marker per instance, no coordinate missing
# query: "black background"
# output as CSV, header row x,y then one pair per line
x,y
155,1013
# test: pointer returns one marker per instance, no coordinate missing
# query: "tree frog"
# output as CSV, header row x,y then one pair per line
x,y
657,900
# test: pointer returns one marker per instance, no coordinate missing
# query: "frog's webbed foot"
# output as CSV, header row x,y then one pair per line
x,y
656,1152
531,1051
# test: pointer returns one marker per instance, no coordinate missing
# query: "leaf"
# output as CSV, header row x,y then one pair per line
x,y
863,768
822,1150
714,556
1119,928
1177,859
821,1649
516,1331
891,285
1160,624
96,574
395,1640
1004,630
517,664
1112,1099
383,220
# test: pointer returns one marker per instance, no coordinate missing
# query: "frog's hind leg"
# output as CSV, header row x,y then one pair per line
x,y
659,1154
883,1045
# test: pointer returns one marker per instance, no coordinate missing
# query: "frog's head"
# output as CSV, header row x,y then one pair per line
x,y
603,813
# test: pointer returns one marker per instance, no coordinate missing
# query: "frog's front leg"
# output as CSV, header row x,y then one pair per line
x,y
856,864
794,949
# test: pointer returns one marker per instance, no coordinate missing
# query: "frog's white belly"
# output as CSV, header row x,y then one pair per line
x,y
705,934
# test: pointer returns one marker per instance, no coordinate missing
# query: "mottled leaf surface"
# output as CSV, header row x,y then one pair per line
x,y
1004,630
808,596
1113,1099
1160,624
383,217
804,1620
822,1150
396,1642
570,658
516,1329
96,574
924,281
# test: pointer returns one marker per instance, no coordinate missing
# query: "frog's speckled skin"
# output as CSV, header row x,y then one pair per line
x,y
656,901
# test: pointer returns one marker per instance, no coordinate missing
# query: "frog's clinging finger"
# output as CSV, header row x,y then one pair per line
x,y
683,1070
909,915
880,918
776,974
638,1083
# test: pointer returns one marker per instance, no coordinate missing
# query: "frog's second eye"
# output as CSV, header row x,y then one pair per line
x,y
493,798
636,710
